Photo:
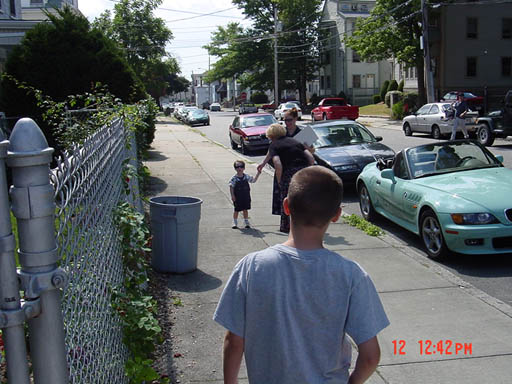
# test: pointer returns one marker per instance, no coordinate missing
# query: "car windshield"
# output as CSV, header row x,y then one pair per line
x,y
198,112
257,121
343,134
290,106
468,95
433,159
248,105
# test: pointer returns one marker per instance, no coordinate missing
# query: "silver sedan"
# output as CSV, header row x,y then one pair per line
x,y
431,118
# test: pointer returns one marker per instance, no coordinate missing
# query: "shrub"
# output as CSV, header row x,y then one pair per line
x,y
384,89
397,112
315,99
401,85
342,95
393,86
411,99
259,98
376,99
387,99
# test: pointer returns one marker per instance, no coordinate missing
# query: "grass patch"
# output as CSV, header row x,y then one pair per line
x,y
362,224
380,109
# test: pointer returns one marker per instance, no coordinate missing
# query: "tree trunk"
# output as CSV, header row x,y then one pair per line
x,y
302,84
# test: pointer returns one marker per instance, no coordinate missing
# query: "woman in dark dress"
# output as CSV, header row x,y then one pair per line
x,y
290,120
289,156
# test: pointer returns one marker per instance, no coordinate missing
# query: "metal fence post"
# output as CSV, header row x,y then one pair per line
x,y
12,316
33,205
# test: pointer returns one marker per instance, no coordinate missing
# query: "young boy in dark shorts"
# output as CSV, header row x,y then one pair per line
x,y
241,192
290,307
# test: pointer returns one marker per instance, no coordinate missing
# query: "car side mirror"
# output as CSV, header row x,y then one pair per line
x,y
499,158
388,174
378,138
231,126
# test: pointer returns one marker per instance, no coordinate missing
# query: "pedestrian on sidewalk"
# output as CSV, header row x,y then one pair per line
x,y
289,156
290,121
241,192
461,108
290,307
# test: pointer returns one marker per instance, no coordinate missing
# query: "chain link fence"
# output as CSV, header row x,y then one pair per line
x,y
88,186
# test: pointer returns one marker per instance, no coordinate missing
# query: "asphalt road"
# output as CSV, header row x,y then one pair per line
x,y
490,273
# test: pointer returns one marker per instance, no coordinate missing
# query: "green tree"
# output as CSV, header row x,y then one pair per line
x,y
392,30
176,84
248,52
143,38
61,58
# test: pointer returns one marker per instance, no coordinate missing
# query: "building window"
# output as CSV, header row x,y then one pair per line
x,y
471,66
472,28
354,7
506,28
355,57
321,82
356,81
328,82
364,8
506,66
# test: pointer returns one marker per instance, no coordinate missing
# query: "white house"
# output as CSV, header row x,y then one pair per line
x,y
342,68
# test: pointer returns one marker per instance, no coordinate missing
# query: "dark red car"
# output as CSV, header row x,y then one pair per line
x,y
248,131
475,103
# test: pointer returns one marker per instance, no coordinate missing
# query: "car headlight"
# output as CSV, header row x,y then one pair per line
x,y
473,218
345,167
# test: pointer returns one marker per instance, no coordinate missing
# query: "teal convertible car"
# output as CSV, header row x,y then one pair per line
x,y
456,195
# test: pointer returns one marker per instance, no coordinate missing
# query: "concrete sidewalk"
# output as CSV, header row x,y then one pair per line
x,y
425,303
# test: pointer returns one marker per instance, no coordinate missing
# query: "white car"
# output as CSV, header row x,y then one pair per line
x,y
215,107
284,107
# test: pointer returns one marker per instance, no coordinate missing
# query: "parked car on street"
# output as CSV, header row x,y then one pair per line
x,y
346,147
431,119
205,105
248,131
269,107
197,116
215,107
332,108
454,194
285,107
182,113
475,103
247,108
496,123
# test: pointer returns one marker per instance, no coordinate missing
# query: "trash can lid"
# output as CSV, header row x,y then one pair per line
x,y
174,200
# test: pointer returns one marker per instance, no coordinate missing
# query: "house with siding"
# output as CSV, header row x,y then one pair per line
x,y
342,69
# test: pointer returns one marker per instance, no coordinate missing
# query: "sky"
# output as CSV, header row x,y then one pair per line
x,y
189,34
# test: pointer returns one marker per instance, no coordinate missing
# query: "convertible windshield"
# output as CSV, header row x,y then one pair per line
x,y
343,134
439,158
257,121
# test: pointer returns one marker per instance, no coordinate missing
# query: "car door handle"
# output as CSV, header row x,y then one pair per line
x,y
377,182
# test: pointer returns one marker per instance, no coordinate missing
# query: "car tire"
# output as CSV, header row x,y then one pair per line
x,y
407,130
324,117
431,234
233,144
484,135
436,132
365,203
243,148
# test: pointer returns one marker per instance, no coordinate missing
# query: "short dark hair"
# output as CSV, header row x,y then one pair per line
x,y
314,196
238,162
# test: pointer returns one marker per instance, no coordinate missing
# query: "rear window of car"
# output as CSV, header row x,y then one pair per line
x,y
334,103
258,121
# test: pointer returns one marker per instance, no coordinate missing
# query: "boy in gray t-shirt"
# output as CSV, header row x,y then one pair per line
x,y
290,306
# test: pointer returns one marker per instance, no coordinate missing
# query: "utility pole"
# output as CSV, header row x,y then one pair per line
x,y
429,77
276,82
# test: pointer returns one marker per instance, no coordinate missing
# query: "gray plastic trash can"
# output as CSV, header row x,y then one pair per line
x,y
175,227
